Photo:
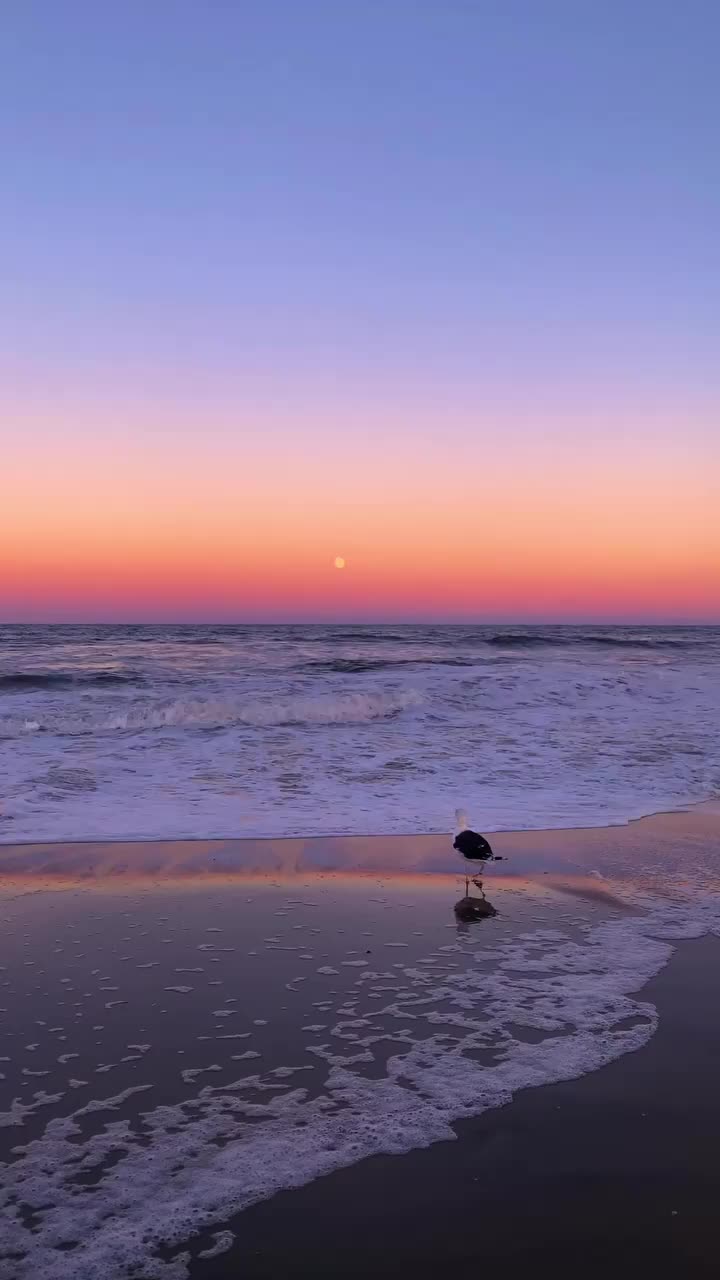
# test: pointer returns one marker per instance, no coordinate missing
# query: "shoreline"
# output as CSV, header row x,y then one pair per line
x,y
617,852
612,1168
711,805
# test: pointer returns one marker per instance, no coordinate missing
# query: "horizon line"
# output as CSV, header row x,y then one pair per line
x,y
368,622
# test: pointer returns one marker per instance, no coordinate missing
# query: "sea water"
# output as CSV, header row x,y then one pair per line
x,y
159,731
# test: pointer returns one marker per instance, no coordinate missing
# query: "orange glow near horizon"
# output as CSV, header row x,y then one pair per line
x,y
234,526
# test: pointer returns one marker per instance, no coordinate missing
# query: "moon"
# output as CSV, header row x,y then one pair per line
x,y
339,562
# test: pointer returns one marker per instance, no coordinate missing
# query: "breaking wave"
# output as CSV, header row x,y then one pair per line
x,y
207,713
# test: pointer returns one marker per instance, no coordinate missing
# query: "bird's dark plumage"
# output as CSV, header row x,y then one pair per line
x,y
472,846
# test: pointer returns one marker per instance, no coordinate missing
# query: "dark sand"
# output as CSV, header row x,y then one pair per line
x,y
126,964
612,1174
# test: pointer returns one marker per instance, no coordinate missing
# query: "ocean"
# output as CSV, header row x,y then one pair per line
x,y
200,731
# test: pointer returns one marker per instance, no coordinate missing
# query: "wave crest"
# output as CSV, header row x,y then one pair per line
x,y
26,681
550,640
351,666
206,713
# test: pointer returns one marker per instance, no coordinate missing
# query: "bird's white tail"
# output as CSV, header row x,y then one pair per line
x,y
461,820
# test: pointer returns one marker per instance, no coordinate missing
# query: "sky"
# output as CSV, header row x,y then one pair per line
x,y
430,286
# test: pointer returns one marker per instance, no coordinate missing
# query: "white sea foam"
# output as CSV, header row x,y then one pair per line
x,y
223,1241
351,732
209,713
190,1166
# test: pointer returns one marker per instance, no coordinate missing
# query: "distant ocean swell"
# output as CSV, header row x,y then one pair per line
x,y
26,681
353,666
539,638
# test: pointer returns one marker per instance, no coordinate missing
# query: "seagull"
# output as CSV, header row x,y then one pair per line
x,y
472,847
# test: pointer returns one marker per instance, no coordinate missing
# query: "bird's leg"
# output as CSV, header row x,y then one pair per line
x,y
478,884
467,887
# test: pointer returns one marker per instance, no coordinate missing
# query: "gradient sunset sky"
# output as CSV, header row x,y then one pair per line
x,y
428,285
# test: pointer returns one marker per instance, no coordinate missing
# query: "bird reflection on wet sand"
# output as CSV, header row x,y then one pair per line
x,y
468,910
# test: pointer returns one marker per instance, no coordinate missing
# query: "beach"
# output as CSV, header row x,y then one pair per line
x,y
617,1169
276,1057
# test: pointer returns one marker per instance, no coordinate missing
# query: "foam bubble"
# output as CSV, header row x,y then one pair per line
x,y
189,1166
223,1240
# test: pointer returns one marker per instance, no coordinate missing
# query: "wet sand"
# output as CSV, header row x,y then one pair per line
x,y
664,843
202,1024
615,1173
